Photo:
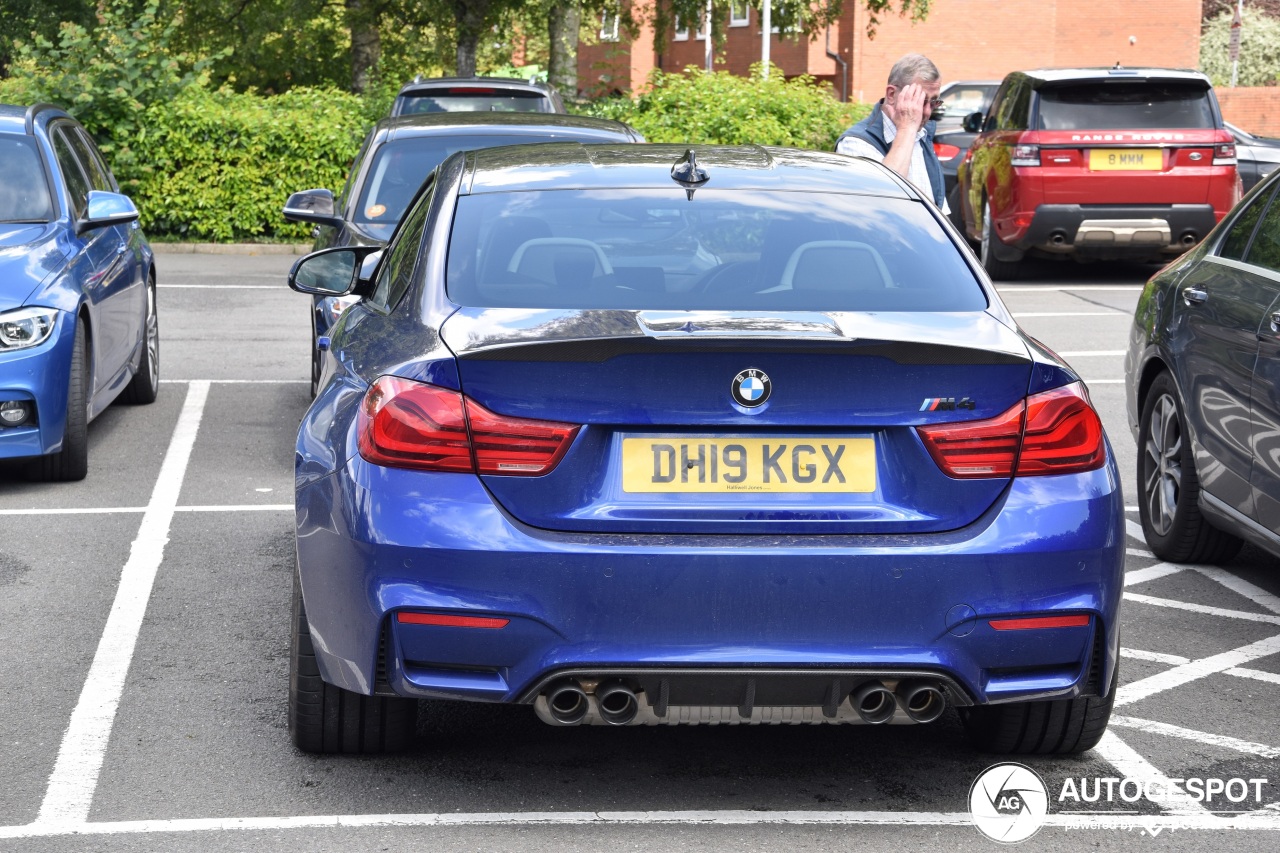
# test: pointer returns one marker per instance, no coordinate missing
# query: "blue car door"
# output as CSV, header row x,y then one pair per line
x,y
111,285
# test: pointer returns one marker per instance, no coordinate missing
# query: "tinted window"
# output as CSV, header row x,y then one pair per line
x,y
24,192
1265,249
1137,105
1015,108
399,168
1237,239
725,250
473,99
77,184
967,99
396,273
99,176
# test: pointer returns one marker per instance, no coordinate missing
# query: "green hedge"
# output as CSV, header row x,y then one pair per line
x,y
721,108
218,166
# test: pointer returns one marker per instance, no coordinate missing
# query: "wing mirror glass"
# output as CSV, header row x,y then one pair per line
x,y
973,122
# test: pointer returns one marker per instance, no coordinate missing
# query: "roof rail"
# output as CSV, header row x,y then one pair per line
x,y
30,122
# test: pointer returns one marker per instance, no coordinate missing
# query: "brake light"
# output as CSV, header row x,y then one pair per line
x,y
1025,155
1224,154
406,424
1054,432
945,151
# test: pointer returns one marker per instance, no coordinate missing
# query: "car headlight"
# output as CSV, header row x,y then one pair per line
x,y
26,327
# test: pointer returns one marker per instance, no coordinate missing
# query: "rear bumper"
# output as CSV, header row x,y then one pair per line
x,y
375,541
38,376
1116,231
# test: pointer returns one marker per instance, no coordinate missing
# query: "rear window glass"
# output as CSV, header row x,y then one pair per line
x,y
722,250
475,100
24,192
400,167
1125,106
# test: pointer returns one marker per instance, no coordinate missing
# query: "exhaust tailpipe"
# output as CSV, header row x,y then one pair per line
x,y
922,701
568,703
1188,238
617,703
874,703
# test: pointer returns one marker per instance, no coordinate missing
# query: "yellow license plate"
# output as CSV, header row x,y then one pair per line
x,y
1126,159
762,465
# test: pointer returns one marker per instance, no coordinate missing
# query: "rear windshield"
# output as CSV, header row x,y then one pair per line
x,y
1125,106
24,192
722,250
475,100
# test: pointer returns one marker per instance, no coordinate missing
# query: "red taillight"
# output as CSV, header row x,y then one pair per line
x,y
448,620
406,424
945,151
1054,432
1025,155
1224,154
1040,622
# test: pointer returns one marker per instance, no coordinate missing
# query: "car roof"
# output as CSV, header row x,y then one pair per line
x,y
576,166
19,119
428,83
507,124
1052,76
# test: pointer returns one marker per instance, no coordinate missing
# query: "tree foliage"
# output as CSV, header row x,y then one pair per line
x,y
1259,49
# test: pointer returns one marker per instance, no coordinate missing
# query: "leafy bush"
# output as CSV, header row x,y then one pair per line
x,y
220,165
1259,50
720,108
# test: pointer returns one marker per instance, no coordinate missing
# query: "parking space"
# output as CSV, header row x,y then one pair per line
x,y
146,614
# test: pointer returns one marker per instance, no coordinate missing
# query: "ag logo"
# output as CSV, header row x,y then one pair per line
x,y
1008,803
751,388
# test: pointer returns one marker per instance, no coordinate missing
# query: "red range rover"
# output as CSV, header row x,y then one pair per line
x,y
1098,163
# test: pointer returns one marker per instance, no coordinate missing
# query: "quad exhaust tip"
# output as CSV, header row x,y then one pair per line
x,y
618,704
874,703
568,704
922,702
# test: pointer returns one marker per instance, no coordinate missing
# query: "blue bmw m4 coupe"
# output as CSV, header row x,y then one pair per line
x,y
644,435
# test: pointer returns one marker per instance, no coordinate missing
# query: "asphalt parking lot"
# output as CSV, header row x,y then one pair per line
x,y
144,617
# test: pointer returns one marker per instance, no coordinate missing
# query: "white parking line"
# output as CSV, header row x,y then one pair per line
x,y
1132,765
1150,573
1154,657
1202,608
113,510
75,773
1256,594
1236,744
1135,691
1255,674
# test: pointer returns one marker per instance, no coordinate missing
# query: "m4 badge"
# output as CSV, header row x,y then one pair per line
x,y
947,404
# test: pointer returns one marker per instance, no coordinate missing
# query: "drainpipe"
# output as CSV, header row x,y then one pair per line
x,y
844,69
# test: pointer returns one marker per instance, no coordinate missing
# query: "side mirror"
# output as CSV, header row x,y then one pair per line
x,y
331,272
106,209
314,206
973,122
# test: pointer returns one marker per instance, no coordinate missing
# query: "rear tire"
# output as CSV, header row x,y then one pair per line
x,y
72,461
145,385
996,268
327,719
1055,727
1172,523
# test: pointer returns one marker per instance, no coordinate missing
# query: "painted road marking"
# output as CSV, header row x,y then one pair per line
x,y
1136,691
1202,608
112,510
1208,738
1154,657
1127,760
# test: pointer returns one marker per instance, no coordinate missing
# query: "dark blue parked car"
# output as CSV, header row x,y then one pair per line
x,y
78,323
639,436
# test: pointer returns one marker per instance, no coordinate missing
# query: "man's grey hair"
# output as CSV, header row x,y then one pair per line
x,y
913,68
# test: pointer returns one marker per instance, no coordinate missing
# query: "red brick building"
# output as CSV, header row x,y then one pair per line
x,y
968,39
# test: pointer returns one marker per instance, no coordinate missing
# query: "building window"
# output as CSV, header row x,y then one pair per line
x,y
682,31
608,26
703,27
739,13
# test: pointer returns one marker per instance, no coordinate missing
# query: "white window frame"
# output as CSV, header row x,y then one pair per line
x,y
682,33
608,31
736,20
703,28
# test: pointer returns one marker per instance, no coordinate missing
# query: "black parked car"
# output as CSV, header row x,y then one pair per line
x,y
1256,156
1203,390
476,95
396,157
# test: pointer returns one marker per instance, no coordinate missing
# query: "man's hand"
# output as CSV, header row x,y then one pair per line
x,y
909,113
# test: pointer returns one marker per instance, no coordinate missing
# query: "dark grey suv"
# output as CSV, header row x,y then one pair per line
x,y
1203,383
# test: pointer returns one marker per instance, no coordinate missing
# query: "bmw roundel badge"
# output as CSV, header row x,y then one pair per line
x,y
751,388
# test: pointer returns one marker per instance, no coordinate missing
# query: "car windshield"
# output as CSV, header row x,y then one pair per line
x,y
720,250
474,99
400,167
1125,106
962,100
24,192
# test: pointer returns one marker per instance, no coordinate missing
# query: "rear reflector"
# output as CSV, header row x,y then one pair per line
x,y
406,424
1040,622
449,621
1054,432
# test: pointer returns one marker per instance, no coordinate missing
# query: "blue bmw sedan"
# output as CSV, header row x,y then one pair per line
x,y
644,435
78,321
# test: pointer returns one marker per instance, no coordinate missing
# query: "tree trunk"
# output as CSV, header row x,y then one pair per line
x,y
563,23
470,18
366,41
